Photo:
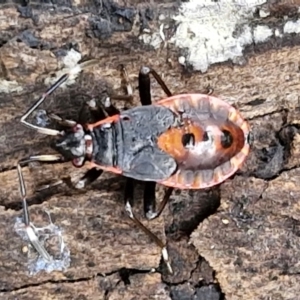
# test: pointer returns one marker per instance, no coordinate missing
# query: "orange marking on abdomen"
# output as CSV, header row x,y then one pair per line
x,y
171,140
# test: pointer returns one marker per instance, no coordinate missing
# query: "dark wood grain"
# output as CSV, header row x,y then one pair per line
x,y
249,246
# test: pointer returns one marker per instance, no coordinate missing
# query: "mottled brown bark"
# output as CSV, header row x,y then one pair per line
x,y
251,241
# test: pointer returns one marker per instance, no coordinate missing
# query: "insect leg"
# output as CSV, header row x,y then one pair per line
x,y
149,202
89,177
62,122
104,107
74,71
129,188
144,85
99,110
109,108
91,112
126,82
145,76
149,198
30,230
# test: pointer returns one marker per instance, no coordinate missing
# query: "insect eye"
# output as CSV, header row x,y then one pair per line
x,y
226,139
188,140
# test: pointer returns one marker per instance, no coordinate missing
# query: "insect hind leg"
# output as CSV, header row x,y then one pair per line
x,y
128,199
149,201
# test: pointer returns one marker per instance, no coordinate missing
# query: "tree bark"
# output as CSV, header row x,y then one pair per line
x,y
245,231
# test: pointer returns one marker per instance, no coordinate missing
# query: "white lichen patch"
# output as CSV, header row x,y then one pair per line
x,y
70,61
9,87
292,27
72,58
153,39
212,32
277,33
262,33
263,13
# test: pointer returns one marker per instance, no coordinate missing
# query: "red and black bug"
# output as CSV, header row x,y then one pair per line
x,y
187,141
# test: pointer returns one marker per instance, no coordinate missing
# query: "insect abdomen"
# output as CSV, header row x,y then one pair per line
x,y
209,146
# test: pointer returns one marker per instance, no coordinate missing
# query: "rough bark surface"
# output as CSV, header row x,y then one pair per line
x,y
247,244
